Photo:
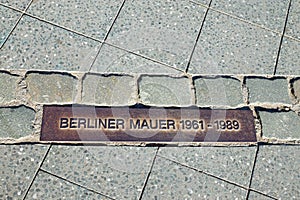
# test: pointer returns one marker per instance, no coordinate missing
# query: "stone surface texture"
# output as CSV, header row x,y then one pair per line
x,y
218,91
8,20
276,172
262,90
8,87
118,172
59,188
112,59
16,122
19,164
163,90
296,88
282,125
162,30
51,88
233,164
170,181
37,45
230,46
108,90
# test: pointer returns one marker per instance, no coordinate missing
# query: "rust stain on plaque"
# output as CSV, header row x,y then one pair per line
x,y
146,124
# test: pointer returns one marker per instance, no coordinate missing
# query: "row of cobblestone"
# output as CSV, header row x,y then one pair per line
x,y
275,100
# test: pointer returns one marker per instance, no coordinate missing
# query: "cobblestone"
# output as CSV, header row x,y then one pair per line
x,y
163,90
218,91
262,90
108,90
16,122
281,125
296,88
51,88
8,87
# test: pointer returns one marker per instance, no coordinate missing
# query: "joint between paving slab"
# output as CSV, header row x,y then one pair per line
x,y
282,36
197,38
18,21
204,172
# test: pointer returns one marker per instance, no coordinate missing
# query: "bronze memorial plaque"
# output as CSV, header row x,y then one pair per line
x,y
146,124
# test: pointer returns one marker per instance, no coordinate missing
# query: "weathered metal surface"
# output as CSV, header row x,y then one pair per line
x,y
147,124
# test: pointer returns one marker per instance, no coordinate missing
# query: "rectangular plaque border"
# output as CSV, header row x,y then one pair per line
x,y
53,135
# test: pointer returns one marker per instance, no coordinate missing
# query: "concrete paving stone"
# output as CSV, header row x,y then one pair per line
x,y
8,19
263,90
289,60
230,163
18,166
162,30
16,122
276,171
205,2
118,172
163,90
47,186
230,46
282,125
38,45
20,4
292,28
8,87
51,88
112,89
218,91
270,14
169,180
112,59
92,17
296,88
257,196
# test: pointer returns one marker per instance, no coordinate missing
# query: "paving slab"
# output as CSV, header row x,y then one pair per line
x,y
8,87
163,30
276,171
230,163
9,18
262,90
205,2
288,63
169,180
51,87
112,59
60,189
118,172
92,17
223,91
281,125
270,14
38,45
20,4
109,90
163,90
256,196
230,46
19,164
292,28
16,122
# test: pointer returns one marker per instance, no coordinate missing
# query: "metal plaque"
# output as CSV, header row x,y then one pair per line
x,y
146,124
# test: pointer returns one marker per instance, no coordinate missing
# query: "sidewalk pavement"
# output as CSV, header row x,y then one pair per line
x,y
205,53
